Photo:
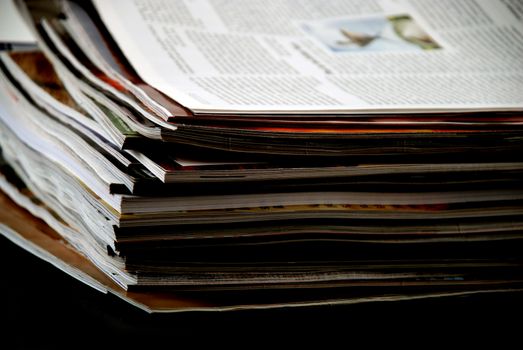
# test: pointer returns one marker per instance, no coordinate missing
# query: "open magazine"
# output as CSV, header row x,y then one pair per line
x,y
320,57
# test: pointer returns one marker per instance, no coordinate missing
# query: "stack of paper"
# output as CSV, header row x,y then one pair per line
x,y
221,155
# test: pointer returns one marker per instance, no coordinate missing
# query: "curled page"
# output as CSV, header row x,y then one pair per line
x,y
314,57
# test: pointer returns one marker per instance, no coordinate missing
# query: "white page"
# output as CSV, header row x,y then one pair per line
x,y
315,56
13,29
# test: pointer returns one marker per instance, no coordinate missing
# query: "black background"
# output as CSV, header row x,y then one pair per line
x,y
46,309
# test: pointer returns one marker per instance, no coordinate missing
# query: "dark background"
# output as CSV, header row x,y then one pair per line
x,y
43,308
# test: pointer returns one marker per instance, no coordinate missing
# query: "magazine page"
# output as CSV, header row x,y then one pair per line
x,y
13,30
324,57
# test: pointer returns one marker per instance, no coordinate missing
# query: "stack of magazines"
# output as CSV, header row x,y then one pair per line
x,y
211,155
